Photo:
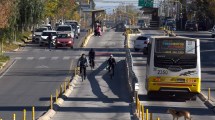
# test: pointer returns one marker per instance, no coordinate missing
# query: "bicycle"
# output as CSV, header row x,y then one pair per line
x,y
92,63
82,74
110,70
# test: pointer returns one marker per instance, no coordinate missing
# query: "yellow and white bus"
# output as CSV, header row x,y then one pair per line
x,y
173,67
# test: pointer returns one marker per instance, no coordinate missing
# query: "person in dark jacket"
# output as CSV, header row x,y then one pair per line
x,y
92,58
111,63
83,64
49,41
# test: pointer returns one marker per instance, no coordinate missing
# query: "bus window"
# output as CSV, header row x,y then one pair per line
x,y
149,53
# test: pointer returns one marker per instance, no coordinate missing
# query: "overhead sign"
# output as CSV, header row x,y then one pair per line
x,y
146,3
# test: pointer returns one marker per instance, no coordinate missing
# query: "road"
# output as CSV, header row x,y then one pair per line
x,y
99,97
34,75
197,108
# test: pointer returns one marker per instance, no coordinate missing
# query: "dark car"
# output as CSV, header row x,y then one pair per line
x,y
191,25
64,40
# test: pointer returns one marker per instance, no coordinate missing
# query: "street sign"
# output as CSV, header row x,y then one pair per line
x,y
146,3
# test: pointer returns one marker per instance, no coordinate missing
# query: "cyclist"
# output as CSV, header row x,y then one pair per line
x,y
111,63
83,63
92,58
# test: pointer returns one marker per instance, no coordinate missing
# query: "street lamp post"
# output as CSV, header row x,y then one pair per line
x,y
181,16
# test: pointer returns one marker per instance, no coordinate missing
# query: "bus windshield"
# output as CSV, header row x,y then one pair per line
x,y
175,46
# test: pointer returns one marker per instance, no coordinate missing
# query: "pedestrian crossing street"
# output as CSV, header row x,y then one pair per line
x,y
54,58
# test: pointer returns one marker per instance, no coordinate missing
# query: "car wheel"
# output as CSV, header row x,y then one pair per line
x,y
212,36
71,47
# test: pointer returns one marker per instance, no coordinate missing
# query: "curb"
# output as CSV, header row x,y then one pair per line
x,y
51,112
210,104
87,40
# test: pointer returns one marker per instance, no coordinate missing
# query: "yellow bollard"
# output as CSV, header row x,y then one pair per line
x,y
61,89
64,86
24,114
33,113
136,96
75,71
158,118
51,102
56,96
14,116
147,114
142,109
209,93
139,108
151,116
68,83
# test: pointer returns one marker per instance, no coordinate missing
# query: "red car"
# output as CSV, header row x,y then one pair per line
x,y
64,40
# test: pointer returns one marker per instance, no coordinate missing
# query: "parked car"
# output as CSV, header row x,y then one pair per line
x,y
74,25
141,43
44,37
191,25
37,34
64,40
65,29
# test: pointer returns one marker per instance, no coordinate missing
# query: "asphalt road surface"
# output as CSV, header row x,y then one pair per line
x,y
34,75
197,108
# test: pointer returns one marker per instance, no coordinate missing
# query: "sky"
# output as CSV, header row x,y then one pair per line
x,y
110,6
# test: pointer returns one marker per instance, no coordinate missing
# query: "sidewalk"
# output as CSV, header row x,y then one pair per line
x,y
98,97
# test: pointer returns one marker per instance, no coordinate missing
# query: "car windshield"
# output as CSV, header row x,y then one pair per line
x,y
141,38
64,28
48,33
63,36
40,29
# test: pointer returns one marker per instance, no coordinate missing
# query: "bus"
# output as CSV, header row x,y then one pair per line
x,y
173,67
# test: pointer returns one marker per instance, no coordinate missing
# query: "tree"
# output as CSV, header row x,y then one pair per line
x,y
5,10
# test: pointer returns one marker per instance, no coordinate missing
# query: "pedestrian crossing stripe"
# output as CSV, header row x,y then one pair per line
x,y
42,58
98,59
30,58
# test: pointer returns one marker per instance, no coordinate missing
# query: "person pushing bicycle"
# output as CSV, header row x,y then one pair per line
x,y
92,58
83,64
111,63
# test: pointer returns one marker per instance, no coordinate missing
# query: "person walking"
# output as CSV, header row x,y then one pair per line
x,y
111,63
49,41
92,58
83,64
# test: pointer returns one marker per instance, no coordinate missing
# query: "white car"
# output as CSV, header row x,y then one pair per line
x,y
141,43
44,37
65,29
48,26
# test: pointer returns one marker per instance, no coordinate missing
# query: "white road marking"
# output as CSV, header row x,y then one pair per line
x,y
54,58
30,58
42,66
66,58
8,69
42,58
